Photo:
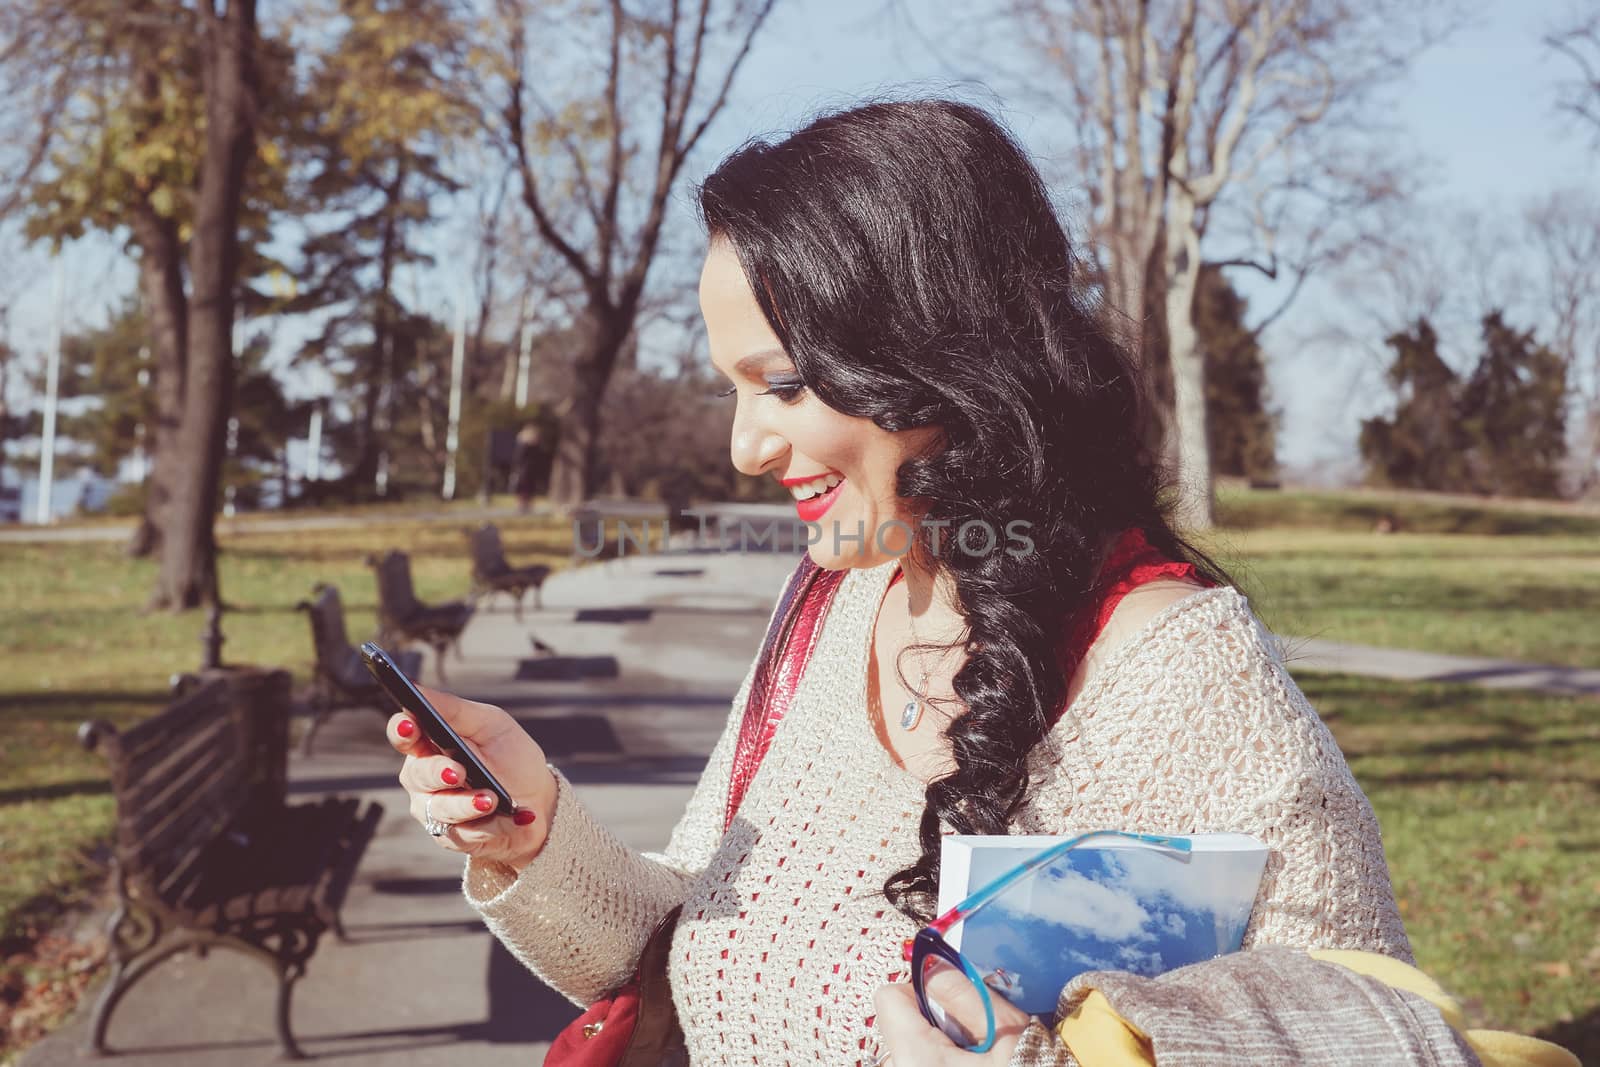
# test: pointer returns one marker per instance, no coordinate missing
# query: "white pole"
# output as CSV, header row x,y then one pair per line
x,y
525,365
141,458
228,491
228,508
314,446
47,450
381,423
458,359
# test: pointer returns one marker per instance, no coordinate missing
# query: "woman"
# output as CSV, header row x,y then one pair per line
x,y
913,351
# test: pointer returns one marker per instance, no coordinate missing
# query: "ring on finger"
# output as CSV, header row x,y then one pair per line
x,y
434,827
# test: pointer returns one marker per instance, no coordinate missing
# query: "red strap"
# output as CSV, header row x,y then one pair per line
x,y
1132,562
787,649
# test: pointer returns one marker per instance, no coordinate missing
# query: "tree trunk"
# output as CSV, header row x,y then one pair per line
x,y
188,576
1153,355
166,313
1191,441
575,474
1585,456
373,430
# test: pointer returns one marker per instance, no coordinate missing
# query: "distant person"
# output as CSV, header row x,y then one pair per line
x,y
525,465
912,343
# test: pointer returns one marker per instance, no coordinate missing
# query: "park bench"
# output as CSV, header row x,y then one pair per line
x,y
491,573
340,678
402,617
206,851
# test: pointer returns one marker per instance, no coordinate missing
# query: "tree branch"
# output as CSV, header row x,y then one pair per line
x,y
516,129
606,223
762,11
579,161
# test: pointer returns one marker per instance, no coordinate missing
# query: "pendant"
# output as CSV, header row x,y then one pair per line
x,y
911,715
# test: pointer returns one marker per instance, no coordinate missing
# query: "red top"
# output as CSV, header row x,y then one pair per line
x,y
1133,561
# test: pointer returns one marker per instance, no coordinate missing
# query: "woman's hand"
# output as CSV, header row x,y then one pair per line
x,y
912,1041
505,748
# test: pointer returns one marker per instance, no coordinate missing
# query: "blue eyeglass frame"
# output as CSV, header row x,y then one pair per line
x,y
930,941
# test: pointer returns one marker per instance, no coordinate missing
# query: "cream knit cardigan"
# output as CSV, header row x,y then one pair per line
x,y
1193,724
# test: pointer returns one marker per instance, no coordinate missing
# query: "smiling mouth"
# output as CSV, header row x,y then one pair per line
x,y
812,508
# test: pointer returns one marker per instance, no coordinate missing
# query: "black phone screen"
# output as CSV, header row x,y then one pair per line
x,y
409,698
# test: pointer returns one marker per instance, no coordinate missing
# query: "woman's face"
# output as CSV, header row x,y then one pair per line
x,y
781,429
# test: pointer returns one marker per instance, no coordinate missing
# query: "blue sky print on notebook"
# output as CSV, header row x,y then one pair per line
x,y
1119,909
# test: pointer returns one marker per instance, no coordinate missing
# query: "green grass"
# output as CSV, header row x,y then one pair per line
x,y
77,647
1487,804
1514,597
1357,511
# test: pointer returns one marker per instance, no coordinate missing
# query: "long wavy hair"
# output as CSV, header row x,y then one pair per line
x,y
908,257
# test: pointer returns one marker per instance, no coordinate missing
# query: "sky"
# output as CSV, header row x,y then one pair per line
x,y
1479,109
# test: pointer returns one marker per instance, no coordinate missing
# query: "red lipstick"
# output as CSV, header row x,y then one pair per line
x,y
812,509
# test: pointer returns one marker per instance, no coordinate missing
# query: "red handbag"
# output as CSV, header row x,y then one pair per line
x,y
636,1025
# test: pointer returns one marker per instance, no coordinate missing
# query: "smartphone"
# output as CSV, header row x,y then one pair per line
x,y
409,698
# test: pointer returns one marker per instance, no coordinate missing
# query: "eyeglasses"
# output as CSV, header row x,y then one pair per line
x,y
930,954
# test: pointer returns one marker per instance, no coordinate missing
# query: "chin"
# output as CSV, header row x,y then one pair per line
x,y
846,554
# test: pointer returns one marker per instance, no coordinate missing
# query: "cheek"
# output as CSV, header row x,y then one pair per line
x,y
827,438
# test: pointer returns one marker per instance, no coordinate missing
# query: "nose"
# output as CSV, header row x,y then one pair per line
x,y
755,446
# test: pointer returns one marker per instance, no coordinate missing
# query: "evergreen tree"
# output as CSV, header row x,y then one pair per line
x,y
1502,430
1513,410
109,367
109,370
1243,432
1422,445
389,99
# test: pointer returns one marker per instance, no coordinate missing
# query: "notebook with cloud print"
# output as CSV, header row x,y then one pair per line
x,y
1115,904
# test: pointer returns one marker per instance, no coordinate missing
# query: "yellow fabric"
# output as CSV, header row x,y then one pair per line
x,y
1098,1037
1501,1048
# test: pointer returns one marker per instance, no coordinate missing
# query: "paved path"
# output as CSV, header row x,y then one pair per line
x,y
1312,654
651,650
422,982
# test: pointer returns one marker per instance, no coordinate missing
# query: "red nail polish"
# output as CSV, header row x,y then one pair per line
x,y
405,728
451,776
483,802
524,817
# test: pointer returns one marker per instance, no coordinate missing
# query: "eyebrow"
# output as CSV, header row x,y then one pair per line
x,y
754,360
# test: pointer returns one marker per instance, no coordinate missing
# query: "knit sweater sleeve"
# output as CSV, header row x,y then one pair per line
x,y
1202,729
579,914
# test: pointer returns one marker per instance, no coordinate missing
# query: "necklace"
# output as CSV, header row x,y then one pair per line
x,y
911,714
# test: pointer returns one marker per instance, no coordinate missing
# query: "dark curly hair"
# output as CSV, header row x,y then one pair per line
x,y
909,259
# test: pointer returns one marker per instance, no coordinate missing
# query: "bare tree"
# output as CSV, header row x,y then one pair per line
x,y
1233,133
613,148
1579,44
1564,232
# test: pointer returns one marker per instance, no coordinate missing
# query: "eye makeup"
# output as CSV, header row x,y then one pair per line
x,y
784,390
